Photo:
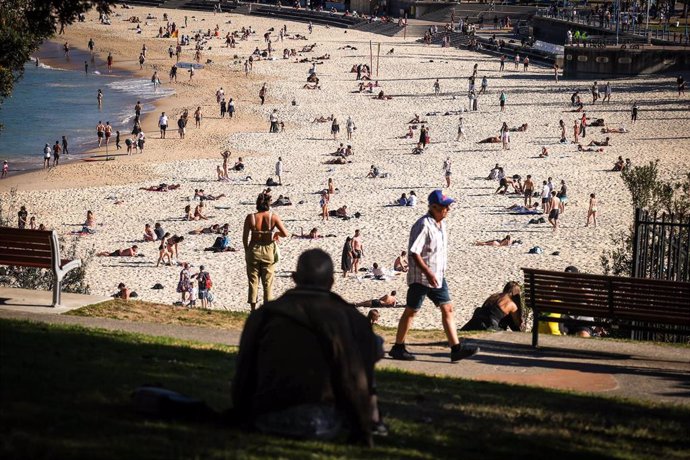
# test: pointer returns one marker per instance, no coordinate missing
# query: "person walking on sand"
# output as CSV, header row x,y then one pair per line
x,y
46,156
65,150
100,132
461,129
633,113
5,169
335,128
502,101
279,170
555,72
56,154
428,260
142,59
197,117
592,211
262,93
350,127
110,62
323,203
357,251
273,118
554,210
528,190
163,124
576,132
437,87
107,132
260,235
447,164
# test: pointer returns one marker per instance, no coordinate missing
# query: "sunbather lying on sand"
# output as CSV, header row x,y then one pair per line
x,y
206,196
507,241
322,119
127,252
621,130
580,148
215,228
521,128
312,235
388,300
161,188
604,143
519,209
490,140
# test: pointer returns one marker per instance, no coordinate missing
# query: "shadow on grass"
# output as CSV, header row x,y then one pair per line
x,y
65,392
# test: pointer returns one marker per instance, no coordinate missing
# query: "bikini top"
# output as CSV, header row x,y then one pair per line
x,y
262,232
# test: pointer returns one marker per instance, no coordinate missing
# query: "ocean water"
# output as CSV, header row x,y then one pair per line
x,y
48,103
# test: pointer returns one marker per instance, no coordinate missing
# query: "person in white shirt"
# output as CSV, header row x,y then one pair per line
x,y
46,156
428,249
163,124
545,197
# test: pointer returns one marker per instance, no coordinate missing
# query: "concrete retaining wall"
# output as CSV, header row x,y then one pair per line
x,y
580,61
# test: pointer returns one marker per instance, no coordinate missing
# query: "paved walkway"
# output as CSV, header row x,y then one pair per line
x,y
637,370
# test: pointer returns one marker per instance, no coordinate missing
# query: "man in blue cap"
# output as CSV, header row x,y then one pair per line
x,y
428,259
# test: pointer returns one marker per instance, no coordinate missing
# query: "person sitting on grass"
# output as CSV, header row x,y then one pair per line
x,y
333,379
499,311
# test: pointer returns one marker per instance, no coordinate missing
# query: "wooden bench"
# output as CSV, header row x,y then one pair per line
x,y
613,300
35,248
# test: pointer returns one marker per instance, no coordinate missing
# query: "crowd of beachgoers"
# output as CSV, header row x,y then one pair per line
x,y
344,146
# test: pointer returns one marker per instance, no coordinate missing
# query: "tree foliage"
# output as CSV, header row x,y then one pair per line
x,y
25,24
648,192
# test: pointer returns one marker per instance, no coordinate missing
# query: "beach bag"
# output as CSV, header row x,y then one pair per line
x,y
207,283
536,250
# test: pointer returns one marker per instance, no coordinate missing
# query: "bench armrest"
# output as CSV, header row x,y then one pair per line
x,y
70,265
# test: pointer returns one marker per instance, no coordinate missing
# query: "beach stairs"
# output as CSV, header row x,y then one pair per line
x,y
457,39
390,29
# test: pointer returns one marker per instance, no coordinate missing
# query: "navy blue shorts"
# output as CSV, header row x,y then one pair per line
x,y
416,293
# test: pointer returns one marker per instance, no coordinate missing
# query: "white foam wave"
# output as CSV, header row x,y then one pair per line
x,y
141,87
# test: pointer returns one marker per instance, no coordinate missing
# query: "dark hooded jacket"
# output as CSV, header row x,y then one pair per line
x,y
309,346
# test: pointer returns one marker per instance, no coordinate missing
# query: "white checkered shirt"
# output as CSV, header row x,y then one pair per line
x,y
431,242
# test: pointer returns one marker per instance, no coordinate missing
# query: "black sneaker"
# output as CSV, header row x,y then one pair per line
x,y
457,353
399,352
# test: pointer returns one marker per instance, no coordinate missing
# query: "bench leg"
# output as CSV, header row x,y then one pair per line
x,y
535,328
57,288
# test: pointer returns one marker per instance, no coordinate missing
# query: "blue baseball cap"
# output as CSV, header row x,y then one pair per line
x,y
437,197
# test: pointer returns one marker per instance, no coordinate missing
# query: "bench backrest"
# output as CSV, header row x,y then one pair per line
x,y
29,248
602,296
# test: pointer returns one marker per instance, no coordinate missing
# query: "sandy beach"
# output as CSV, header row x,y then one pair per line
x,y
60,197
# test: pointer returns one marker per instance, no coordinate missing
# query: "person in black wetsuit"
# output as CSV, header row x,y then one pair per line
x,y
499,311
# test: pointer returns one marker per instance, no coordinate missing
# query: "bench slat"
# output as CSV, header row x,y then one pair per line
x,y
20,252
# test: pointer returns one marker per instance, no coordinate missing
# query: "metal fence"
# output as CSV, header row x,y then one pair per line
x,y
621,26
661,250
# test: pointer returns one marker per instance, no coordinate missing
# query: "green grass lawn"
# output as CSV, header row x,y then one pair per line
x,y
65,393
